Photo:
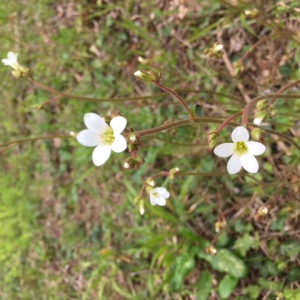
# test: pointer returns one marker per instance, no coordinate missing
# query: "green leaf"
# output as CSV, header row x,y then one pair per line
x,y
253,291
204,285
227,286
290,249
291,295
184,264
243,244
226,261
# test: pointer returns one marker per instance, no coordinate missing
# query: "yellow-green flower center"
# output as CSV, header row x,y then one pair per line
x,y
240,148
108,137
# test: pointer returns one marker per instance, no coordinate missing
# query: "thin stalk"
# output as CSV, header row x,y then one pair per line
x,y
173,93
175,124
34,139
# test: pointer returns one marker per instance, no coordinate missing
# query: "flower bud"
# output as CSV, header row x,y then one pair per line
x,y
263,211
211,250
251,13
262,104
73,134
143,60
219,225
142,206
256,134
238,67
150,181
172,173
259,117
147,76
129,163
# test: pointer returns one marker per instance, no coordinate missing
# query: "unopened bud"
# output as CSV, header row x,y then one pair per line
x,y
142,207
211,250
238,67
256,134
259,117
143,60
132,137
147,76
150,181
172,173
263,211
262,104
219,225
251,13
72,134
129,163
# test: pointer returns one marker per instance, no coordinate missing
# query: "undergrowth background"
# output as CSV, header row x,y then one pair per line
x,y
70,230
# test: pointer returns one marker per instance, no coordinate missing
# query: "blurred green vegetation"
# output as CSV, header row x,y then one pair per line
x,y
70,230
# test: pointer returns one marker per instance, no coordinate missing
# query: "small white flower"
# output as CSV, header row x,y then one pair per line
x,y
158,196
241,151
11,60
104,137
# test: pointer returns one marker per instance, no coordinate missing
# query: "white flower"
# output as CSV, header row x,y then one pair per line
x,y
11,60
104,137
158,196
241,151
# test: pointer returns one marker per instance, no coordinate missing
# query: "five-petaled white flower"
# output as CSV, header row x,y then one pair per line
x,y
158,196
241,151
104,137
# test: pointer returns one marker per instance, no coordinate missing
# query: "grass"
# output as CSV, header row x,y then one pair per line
x,y
70,230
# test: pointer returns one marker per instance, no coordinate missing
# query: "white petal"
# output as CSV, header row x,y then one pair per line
x,y
256,148
101,154
166,194
6,62
153,199
88,138
224,150
240,134
118,124
159,190
95,123
234,164
160,200
119,144
249,163
13,57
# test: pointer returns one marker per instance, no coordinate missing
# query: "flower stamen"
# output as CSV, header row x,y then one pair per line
x,y
108,137
240,148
